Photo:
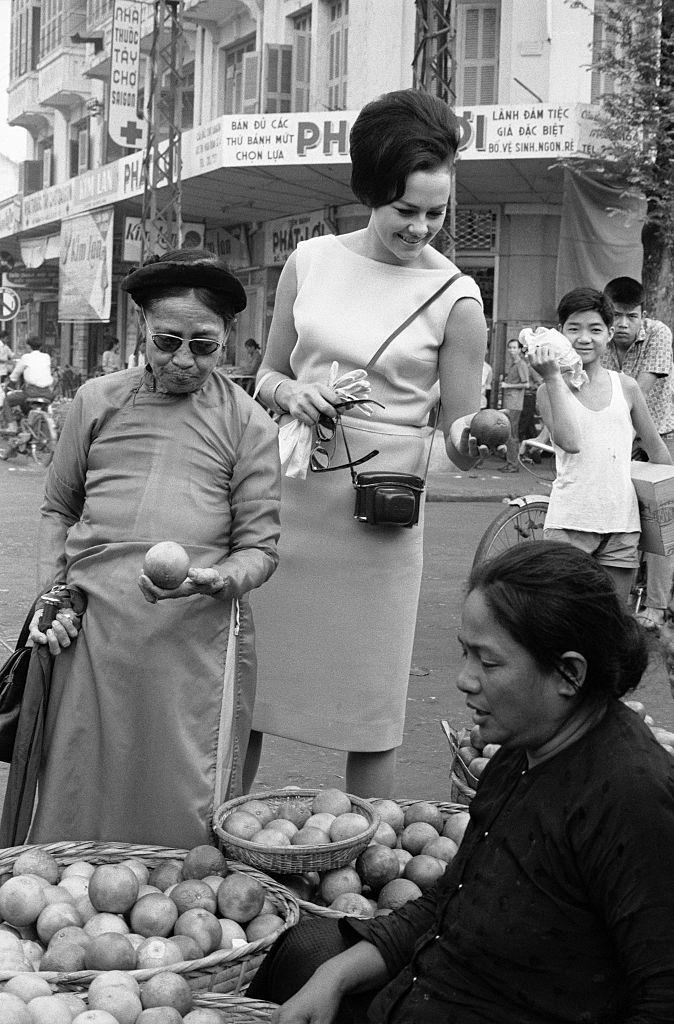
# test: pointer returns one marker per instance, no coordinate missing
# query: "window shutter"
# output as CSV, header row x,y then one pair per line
x,y
251,72
46,168
278,78
478,35
301,69
82,151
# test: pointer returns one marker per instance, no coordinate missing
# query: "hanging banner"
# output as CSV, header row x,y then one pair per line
x,y
193,238
85,267
124,126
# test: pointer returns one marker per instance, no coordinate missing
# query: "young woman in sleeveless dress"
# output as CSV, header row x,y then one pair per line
x,y
336,625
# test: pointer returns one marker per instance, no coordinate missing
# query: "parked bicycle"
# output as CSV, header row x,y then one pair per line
x,y
523,520
35,432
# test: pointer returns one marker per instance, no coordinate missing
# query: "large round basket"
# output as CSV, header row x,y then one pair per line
x,y
225,970
446,809
292,859
236,1009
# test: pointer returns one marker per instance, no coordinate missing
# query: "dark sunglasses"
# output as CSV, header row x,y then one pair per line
x,y
326,430
171,342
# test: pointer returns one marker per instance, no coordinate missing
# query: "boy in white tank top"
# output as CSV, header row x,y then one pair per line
x,y
593,504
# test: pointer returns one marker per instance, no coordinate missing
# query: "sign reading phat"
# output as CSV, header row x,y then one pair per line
x,y
281,236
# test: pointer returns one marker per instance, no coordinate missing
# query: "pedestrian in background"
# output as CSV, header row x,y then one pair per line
x,y
32,371
485,387
642,348
137,357
336,625
515,383
251,363
6,364
111,361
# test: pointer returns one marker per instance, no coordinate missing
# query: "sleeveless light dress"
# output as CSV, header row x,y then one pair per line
x,y
593,490
335,625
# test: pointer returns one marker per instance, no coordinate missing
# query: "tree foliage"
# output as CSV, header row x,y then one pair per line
x,y
632,65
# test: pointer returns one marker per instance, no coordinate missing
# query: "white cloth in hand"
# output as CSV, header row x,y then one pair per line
x,y
570,363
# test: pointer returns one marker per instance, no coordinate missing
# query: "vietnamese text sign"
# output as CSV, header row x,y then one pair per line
x,y
124,126
85,267
516,132
282,235
230,244
193,238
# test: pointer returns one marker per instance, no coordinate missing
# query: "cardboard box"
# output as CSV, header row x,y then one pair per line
x,y
655,493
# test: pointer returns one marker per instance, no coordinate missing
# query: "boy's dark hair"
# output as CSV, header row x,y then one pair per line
x,y
395,135
34,343
626,291
582,300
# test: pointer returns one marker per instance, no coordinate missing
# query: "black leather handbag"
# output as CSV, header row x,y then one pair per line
x,y
12,684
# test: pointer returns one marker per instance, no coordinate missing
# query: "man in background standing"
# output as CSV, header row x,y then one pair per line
x,y
6,363
642,348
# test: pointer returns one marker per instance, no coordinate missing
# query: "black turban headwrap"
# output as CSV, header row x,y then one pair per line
x,y
167,272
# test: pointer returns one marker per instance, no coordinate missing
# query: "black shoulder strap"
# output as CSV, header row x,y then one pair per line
x,y
436,295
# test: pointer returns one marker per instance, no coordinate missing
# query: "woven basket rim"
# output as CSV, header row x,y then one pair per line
x,y
336,848
78,850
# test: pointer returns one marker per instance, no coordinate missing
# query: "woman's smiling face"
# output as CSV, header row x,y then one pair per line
x,y
400,230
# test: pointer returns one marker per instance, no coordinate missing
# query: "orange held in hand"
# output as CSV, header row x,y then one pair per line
x,y
490,427
166,564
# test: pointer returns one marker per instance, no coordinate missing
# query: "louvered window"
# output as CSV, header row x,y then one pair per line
x,y
301,70
477,49
232,82
278,78
338,40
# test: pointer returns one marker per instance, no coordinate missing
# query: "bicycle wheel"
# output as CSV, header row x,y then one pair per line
x,y
43,441
515,525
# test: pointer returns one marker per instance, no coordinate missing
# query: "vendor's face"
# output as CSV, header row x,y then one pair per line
x,y
512,701
400,230
186,317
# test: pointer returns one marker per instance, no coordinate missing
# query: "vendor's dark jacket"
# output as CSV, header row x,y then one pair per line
x,y
559,906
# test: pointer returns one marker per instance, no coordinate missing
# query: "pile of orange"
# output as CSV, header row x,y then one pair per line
x,y
126,916
409,852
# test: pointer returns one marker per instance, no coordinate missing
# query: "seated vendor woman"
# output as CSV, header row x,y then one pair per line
x,y
559,906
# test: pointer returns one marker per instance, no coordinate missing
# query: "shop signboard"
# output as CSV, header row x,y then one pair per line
x,y
10,217
282,236
230,244
124,126
85,267
51,204
193,238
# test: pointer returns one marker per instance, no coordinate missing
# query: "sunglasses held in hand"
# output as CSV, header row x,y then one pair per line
x,y
326,429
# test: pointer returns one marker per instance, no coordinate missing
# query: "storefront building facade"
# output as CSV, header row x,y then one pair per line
x,y
271,89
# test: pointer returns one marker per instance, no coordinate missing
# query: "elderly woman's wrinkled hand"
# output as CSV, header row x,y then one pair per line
x,y
61,634
207,582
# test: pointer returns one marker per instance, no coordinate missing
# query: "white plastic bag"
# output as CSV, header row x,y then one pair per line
x,y
570,363
295,438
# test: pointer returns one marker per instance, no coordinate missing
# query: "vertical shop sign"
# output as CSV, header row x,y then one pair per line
x,y
124,126
85,267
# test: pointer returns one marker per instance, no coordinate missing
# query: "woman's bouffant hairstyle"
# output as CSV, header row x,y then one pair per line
x,y
395,135
552,598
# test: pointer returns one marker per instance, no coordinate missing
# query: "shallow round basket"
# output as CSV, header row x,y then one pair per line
x,y
463,784
293,859
225,970
446,809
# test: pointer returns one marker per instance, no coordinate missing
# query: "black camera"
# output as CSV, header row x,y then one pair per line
x,y
388,499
